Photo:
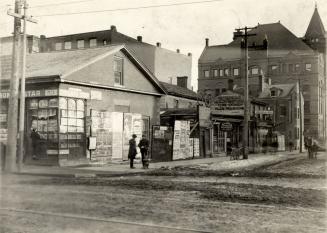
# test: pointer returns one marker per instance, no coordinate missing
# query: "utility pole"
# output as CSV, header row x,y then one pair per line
x,y
13,108
245,52
10,165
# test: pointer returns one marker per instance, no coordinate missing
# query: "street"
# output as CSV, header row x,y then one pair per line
x,y
161,203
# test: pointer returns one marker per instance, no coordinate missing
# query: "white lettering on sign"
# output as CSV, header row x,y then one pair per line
x,y
53,92
33,93
4,95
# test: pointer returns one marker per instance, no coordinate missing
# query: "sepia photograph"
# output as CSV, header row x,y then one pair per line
x,y
163,116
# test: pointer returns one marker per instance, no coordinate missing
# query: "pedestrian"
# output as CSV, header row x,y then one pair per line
x,y
132,151
144,147
309,147
35,137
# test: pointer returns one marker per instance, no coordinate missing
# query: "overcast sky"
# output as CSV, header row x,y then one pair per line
x,y
184,27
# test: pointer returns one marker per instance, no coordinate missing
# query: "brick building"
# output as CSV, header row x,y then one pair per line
x,y
284,100
279,56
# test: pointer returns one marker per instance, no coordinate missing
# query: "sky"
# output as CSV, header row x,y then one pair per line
x,y
184,27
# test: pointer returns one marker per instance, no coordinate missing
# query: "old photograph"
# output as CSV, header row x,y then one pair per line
x,y
163,116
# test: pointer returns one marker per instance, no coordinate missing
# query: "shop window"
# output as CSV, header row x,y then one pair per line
x,y
206,73
80,44
118,71
68,45
93,43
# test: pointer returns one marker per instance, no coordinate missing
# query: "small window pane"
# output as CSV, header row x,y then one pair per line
x,y
308,67
64,121
80,114
63,103
80,105
72,113
236,71
71,104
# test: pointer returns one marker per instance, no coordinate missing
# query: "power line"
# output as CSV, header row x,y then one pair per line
x,y
130,8
60,3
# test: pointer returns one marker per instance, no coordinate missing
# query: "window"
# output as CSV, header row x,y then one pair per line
x,y
215,73
93,43
273,69
307,106
308,67
273,93
297,67
254,70
176,103
282,111
236,71
217,92
206,73
290,68
221,72
223,90
118,70
226,72
58,46
80,44
68,45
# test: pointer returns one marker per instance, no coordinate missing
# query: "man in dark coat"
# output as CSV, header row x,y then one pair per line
x,y
144,147
35,136
132,151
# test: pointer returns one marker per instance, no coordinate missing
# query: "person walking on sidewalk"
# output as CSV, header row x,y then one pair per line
x,y
144,147
132,151
35,137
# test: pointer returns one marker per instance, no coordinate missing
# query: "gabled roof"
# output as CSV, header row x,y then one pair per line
x,y
316,27
65,62
179,91
285,90
280,42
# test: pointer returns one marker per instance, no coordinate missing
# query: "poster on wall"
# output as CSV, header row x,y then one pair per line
x,y
181,141
196,147
137,130
117,135
127,133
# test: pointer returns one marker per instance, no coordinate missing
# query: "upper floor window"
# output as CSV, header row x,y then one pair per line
x,y
206,73
273,93
215,73
297,67
273,69
118,70
254,70
68,45
308,67
221,72
80,44
93,43
236,71
58,46
283,110
226,72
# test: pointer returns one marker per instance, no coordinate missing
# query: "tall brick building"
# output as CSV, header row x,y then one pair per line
x,y
279,57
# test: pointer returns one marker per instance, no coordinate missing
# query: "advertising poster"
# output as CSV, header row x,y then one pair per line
x,y
117,135
137,129
127,133
181,142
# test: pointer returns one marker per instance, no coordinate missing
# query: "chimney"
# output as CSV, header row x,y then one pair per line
x,y
207,42
43,43
189,54
182,81
139,38
177,50
113,28
158,44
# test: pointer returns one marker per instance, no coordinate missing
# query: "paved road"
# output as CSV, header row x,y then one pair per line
x,y
35,204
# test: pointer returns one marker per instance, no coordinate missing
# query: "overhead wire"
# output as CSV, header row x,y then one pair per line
x,y
59,3
129,8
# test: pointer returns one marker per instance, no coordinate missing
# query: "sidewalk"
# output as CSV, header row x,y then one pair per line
x,y
217,163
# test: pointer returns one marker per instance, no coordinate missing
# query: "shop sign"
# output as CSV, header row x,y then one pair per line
x,y
226,126
74,93
32,93
239,112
